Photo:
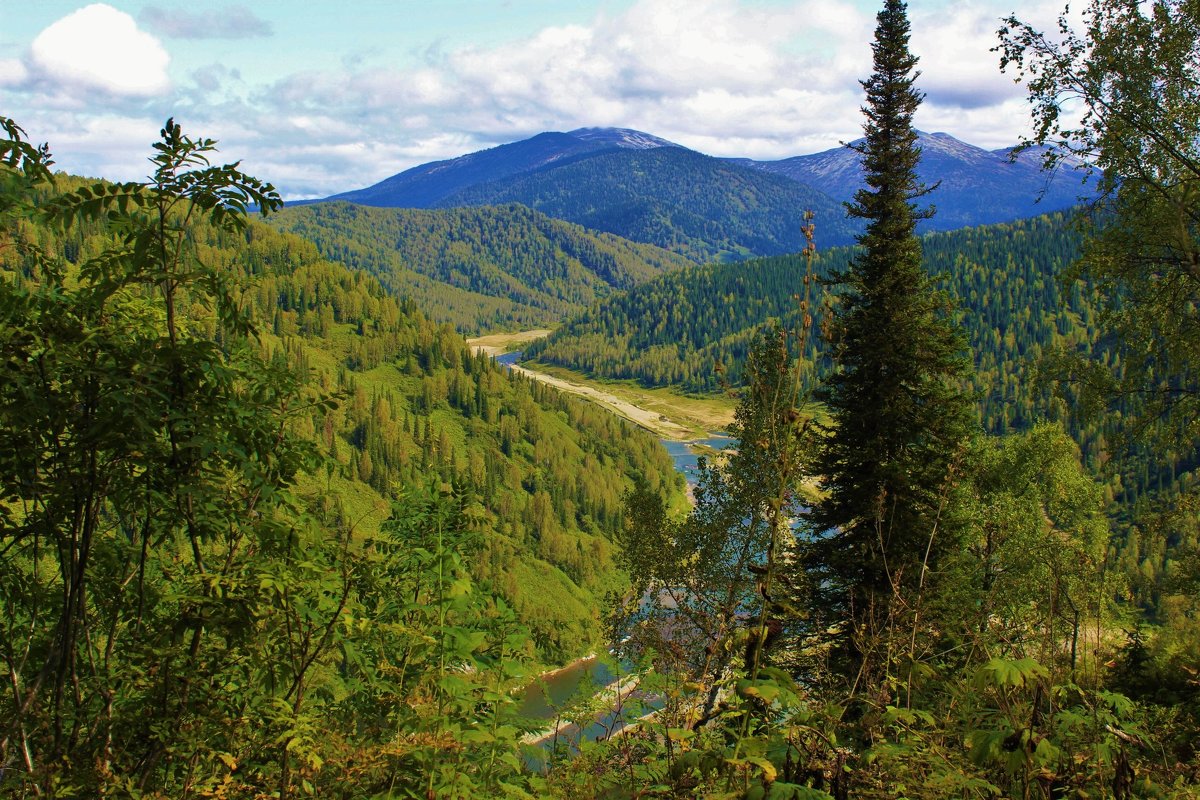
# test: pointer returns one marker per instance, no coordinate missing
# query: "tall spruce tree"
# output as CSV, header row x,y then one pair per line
x,y
898,407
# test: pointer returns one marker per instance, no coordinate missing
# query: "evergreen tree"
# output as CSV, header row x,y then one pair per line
x,y
898,410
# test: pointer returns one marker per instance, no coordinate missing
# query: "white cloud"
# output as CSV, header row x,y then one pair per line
x,y
990,127
101,146
99,47
957,66
726,77
715,74
12,72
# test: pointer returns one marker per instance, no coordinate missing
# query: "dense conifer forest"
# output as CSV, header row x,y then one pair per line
x,y
675,329
409,402
344,411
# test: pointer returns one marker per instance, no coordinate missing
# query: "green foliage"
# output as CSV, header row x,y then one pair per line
x,y
991,671
1034,734
701,576
480,268
714,592
426,673
1030,573
547,470
983,693
1132,74
199,598
147,491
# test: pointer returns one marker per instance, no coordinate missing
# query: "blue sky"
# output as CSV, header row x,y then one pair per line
x,y
320,97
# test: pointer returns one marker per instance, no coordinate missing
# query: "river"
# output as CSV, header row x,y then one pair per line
x,y
546,697
509,359
686,455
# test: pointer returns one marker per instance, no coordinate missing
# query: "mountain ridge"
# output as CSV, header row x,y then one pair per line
x,y
699,206
969,185
651,190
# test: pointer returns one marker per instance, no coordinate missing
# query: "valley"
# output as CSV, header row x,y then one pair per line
x,y
356,456
665,413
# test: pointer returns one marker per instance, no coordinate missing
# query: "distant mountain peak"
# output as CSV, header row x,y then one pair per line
x,y
948,145
649,189
622,137
1035,155
974,186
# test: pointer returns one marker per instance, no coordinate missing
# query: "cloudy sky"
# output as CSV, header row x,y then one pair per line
x,y
319,96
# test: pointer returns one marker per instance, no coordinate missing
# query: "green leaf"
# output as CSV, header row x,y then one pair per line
x,y
1045,753
680,734
766,767
1006,673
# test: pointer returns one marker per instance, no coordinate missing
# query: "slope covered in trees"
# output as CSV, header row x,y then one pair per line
x,y
263,524
676,329
1000,668
480,268
546,471
701,207
249,551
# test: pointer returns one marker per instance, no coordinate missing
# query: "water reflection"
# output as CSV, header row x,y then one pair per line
x,y
686,455
549,693
508,359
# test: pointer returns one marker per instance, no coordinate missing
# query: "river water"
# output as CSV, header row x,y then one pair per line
x,y
508,359
546,696
555,688
544,699
686,455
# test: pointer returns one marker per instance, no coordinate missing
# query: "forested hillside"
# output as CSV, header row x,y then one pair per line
x,y
676,329
258,481
269,528
409,402
480,268
703,208
1017,313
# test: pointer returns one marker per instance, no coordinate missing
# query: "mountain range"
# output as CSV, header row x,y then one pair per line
x,y
647,189
968,185
625,182
425,186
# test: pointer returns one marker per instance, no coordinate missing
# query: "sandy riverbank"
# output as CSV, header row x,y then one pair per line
x,y
657,423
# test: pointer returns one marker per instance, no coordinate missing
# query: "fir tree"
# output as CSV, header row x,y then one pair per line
x,y
897,406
